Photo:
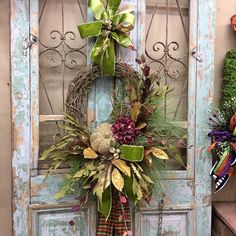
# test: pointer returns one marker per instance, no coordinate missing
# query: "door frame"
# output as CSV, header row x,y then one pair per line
x,y
25,109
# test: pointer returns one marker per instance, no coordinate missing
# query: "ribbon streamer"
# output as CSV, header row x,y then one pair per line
x,y
119,221
110,26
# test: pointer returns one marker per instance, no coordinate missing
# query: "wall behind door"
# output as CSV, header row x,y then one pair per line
x,y
5,121
225,40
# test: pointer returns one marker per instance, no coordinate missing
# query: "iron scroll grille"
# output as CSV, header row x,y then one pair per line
x,y
61,54
167,39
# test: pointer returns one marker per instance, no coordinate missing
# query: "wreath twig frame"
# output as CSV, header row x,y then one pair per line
x,y
80,86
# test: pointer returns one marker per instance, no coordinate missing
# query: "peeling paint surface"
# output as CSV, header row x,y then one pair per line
x,y
187,195
20,116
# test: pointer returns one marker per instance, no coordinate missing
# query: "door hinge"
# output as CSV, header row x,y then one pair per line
x,y
197,55
28,43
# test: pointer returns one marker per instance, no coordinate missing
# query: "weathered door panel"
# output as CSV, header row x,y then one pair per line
x,y
61,221
186,195
175,223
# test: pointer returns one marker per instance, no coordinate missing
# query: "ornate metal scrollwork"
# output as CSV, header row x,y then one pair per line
x,y
163,52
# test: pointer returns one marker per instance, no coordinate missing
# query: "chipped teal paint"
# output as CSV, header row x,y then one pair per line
x,y
42,191
188,193
54,221
34,84
205,89
20,116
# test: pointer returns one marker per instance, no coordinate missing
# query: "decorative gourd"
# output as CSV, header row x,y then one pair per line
x,y
101,138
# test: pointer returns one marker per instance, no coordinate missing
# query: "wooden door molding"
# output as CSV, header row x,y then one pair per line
x,y
5,122
29,192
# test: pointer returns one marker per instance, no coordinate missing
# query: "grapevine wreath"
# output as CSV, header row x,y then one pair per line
x,y
120,160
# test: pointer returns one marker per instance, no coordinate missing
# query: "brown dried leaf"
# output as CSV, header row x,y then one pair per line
x,y
135,110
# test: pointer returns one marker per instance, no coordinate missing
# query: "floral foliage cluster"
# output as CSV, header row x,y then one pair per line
x,y
223,134
127,153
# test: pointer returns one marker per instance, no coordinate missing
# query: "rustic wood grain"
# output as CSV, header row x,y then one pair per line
x,y
5,122
226,211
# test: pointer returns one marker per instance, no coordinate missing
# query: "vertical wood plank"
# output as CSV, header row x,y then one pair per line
x,y
192,81
20,115
5,122
34,84
204,91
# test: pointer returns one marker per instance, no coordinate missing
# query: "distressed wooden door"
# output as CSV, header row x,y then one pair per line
x,y
177,37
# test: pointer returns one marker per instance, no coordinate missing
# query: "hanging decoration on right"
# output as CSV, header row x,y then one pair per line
x,y
233,22
222,121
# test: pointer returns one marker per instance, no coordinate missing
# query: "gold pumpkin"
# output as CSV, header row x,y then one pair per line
x,y
101,138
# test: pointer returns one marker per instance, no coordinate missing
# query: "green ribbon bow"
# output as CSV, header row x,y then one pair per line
x,y
110,27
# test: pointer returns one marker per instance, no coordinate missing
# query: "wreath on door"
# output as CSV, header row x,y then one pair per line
x,y
120,160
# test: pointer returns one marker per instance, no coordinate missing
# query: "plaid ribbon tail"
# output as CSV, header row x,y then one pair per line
x,y
118,222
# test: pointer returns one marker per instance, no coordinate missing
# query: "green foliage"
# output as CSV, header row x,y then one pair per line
x,y
131,168
229,76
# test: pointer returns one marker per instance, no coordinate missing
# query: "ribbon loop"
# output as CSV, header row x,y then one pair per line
x,y
90,29
97,8
110,27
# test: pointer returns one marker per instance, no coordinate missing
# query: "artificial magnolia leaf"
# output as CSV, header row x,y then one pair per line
x,y
104,206
117,179
91,29
134,185
131,153
159,153
97,8
104,181
122,166
99,188
128,188
135,110
89,153
107,173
